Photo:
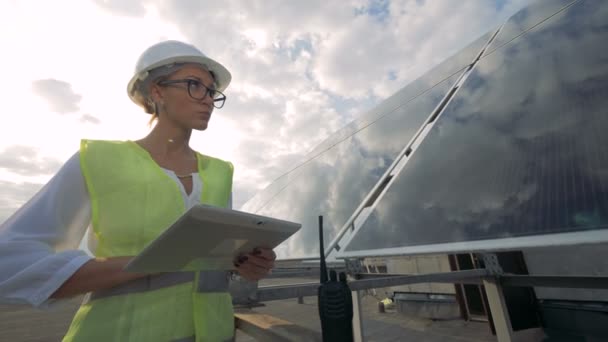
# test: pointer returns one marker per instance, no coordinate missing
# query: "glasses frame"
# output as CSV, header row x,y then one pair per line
x,y
215,94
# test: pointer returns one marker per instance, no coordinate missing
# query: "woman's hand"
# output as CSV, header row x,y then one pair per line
x,y
255,265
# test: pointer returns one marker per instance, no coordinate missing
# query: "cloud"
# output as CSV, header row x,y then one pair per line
x,y
59,95
88,118
26,161
124,8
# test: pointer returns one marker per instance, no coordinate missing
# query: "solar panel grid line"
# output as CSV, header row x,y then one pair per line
x,y
593,198
545,190
550,187
521,185
538,177
596,165
504,176
579,176
602,158
562,186
573,174
524,185
562,209
568,144
508,171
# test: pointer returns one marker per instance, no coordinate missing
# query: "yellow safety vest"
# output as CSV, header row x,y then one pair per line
x,y
132,202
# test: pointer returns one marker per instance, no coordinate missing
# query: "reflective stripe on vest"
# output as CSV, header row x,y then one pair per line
x,y
132,202
214,281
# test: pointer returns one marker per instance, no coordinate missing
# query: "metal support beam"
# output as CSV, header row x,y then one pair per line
x,y
570,282
365,276
303,273
268,293
371,281
446,277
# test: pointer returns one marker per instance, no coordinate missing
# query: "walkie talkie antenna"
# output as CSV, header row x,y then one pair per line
x,y
322,252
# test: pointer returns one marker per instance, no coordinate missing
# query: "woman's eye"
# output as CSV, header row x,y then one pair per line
x,y
195,84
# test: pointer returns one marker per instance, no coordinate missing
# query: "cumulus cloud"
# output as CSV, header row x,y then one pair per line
x,y
125,8
26,161
88,118
59,95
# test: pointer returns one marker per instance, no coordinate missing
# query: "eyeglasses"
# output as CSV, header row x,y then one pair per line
x,y
198,91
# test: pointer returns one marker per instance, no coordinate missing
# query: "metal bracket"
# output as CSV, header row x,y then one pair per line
x,y
490,260
354,267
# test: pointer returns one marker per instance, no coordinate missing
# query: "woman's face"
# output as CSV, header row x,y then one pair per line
x,y
176,103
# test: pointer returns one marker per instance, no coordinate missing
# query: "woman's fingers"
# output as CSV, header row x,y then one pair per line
x,y
259,261
255,265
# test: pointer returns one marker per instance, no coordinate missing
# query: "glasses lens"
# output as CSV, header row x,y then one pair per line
x,y
197,90
219,101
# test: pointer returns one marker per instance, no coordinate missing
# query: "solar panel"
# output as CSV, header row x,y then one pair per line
x,y
335,181
518,159
450,68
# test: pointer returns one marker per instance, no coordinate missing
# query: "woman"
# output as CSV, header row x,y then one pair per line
x,y
128,192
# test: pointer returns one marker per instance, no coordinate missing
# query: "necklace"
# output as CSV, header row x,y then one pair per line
x,y
182,176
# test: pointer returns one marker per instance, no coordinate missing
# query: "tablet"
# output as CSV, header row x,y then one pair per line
x,y
209,238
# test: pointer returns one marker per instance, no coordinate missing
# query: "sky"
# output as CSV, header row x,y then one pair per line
x,y
301,70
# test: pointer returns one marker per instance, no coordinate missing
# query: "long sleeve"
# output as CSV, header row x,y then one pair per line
x,y
39,242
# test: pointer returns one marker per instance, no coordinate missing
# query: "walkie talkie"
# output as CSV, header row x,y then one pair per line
x,y
335,302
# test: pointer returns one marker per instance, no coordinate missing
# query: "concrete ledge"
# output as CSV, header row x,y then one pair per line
x,y
264,327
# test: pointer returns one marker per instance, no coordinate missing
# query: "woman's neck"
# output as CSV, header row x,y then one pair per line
x,y
167,141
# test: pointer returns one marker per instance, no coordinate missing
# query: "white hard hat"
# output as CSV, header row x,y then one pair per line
x,y
172,52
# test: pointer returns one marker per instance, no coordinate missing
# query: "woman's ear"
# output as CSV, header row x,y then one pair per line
x,y
156,93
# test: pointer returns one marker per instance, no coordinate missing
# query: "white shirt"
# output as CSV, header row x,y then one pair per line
x,y
39,242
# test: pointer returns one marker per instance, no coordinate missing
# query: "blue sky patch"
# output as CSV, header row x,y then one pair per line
x,y
378,9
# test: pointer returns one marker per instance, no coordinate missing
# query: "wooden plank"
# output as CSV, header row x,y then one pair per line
x,y
264,327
